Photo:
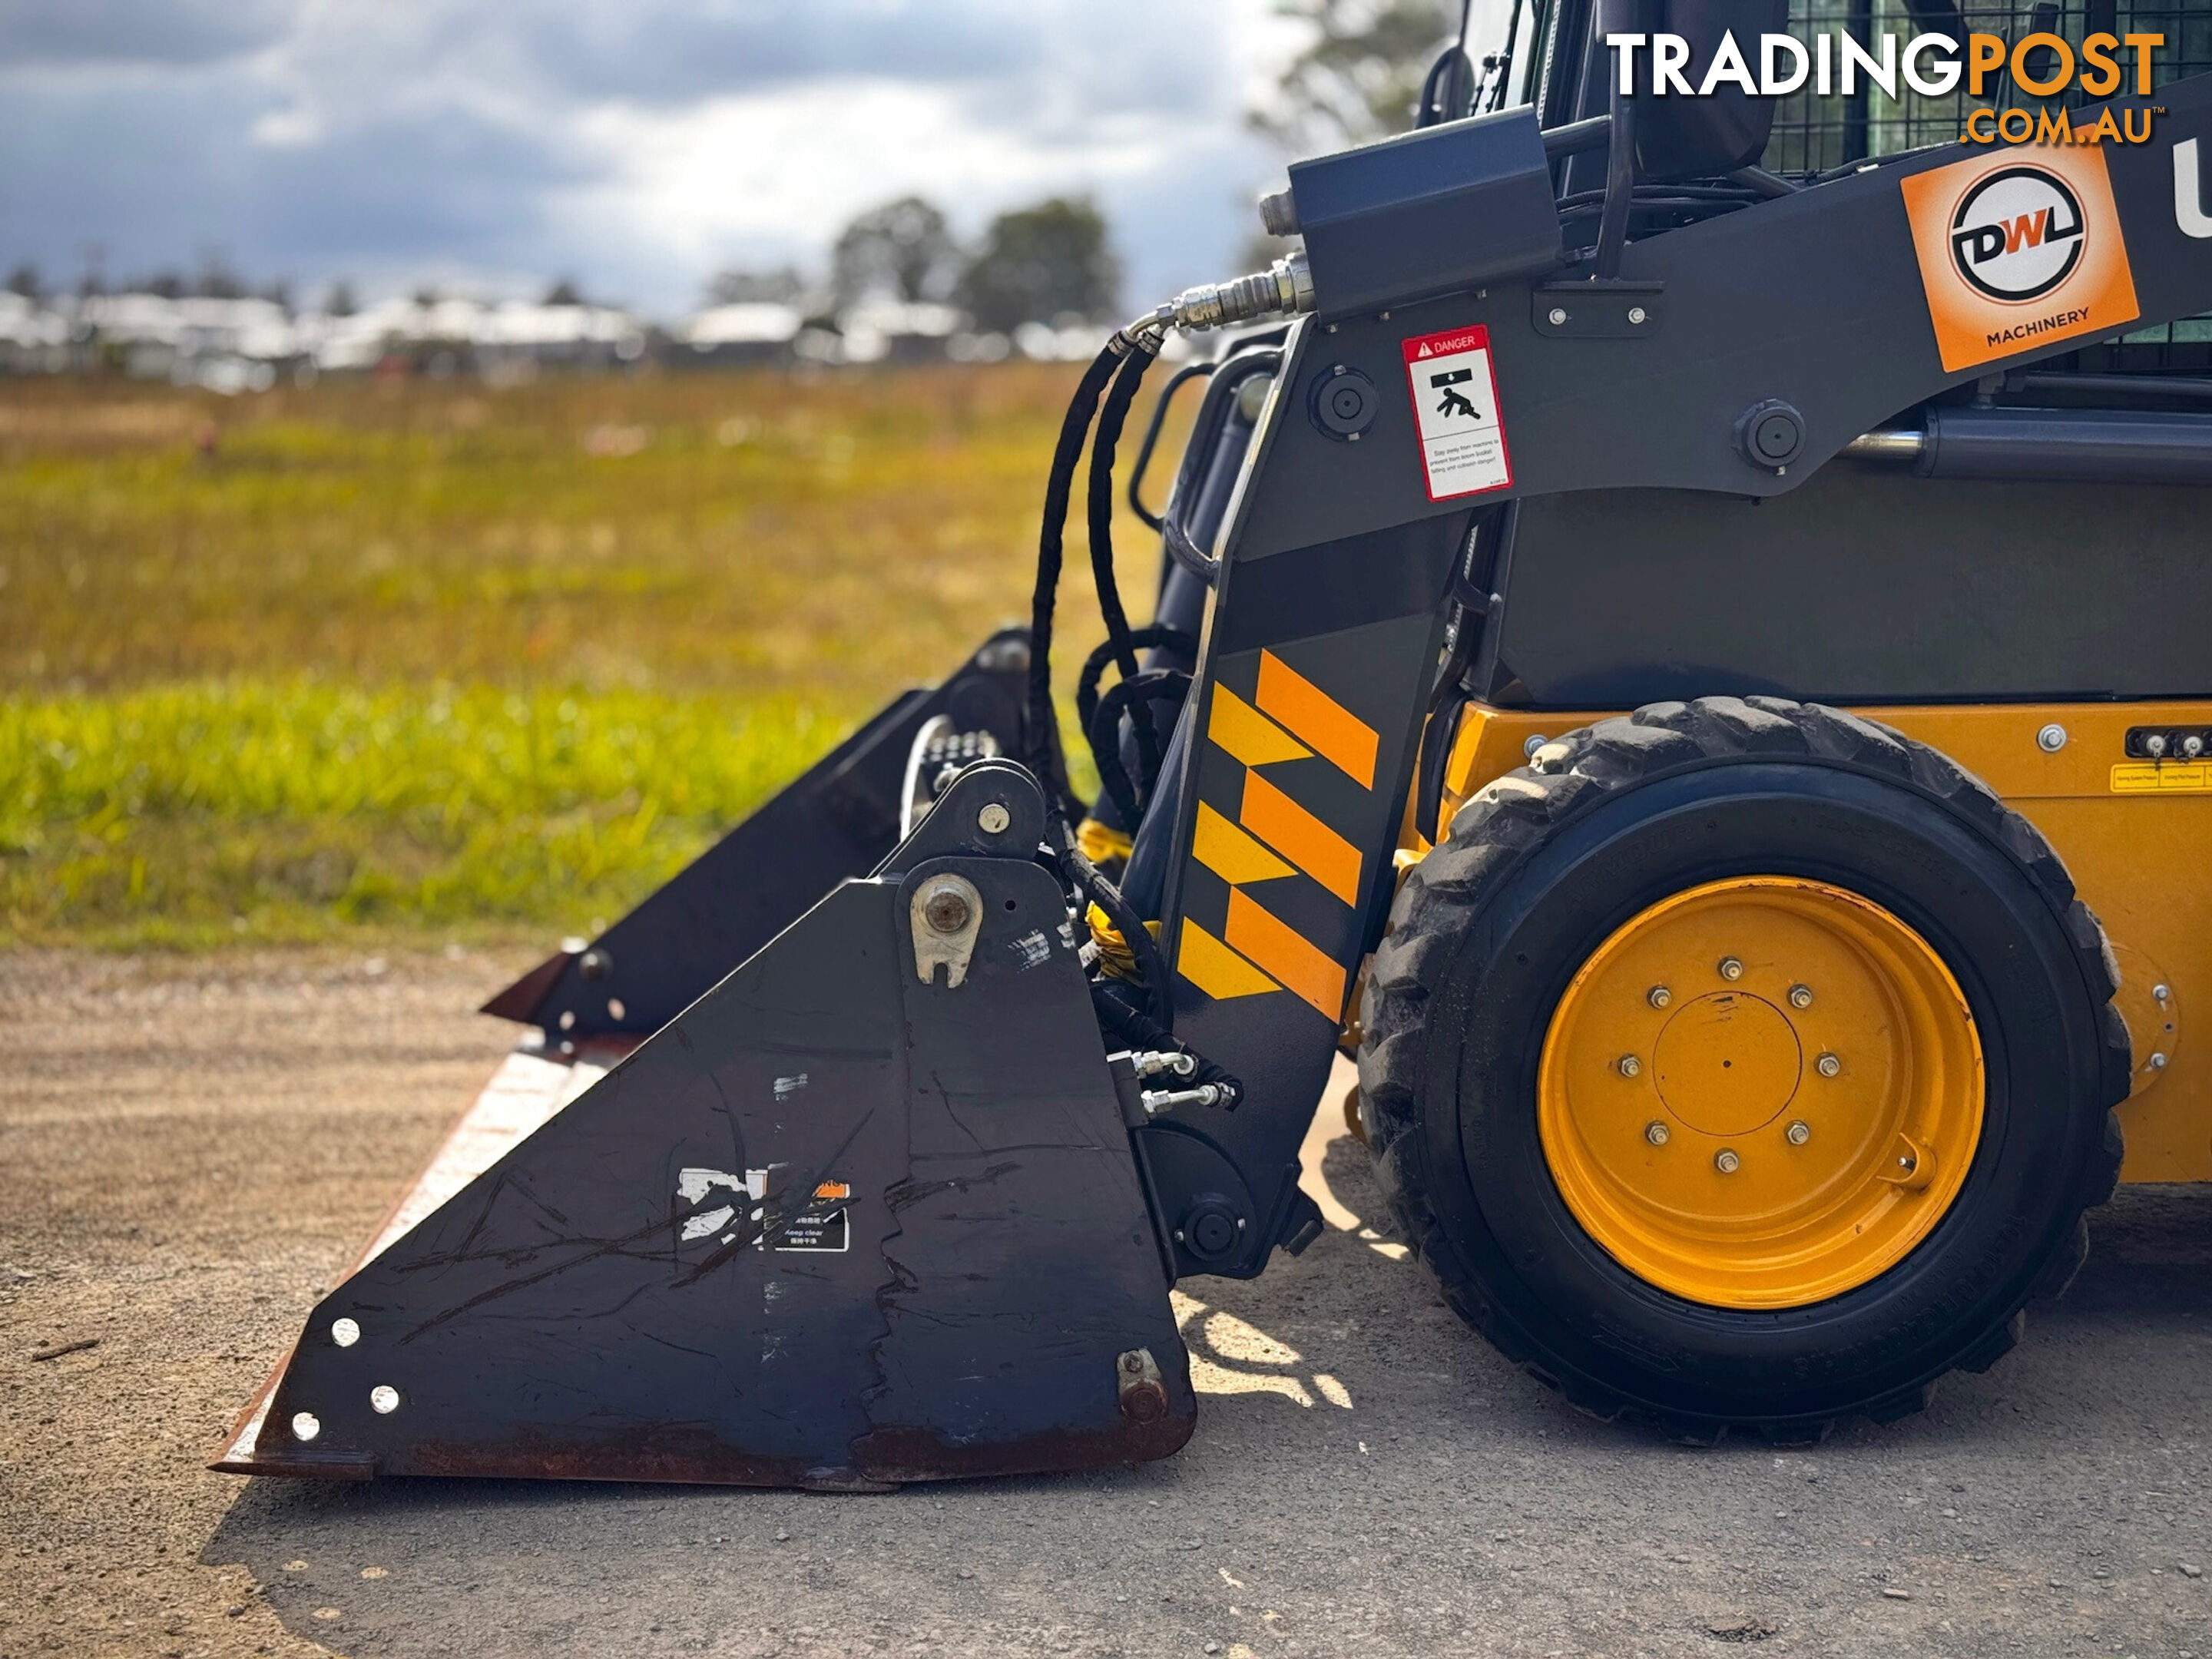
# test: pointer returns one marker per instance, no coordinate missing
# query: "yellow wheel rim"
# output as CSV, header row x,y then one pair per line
x,y
1762,1092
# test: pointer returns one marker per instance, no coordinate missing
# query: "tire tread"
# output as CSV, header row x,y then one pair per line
x,y
1441,896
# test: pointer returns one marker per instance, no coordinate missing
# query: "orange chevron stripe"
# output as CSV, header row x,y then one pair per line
x,y
1312,714
1231,854
1215,969
1249,735
1300,836
1282,951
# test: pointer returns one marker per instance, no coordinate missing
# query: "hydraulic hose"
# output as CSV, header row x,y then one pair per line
x,y
1285,288
1112,418
1044,756
1152,967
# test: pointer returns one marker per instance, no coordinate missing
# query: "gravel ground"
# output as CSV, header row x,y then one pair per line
x,y
191,1147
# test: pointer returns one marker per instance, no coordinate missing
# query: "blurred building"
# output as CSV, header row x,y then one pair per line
x,y
232,345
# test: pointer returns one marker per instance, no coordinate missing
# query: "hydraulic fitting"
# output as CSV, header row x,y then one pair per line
x,y
1285,288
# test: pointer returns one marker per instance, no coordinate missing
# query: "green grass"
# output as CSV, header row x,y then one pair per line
x,y
436,658
187,814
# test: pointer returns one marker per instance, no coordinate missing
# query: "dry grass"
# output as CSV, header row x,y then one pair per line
x,y
409,655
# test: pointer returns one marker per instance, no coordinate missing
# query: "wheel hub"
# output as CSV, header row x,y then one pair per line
x,y
1728,1063
1762,1092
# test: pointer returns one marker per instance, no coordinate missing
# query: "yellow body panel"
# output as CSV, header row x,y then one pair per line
x,y
2140,857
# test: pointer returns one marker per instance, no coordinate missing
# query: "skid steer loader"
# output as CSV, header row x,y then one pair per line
x,y
1701,674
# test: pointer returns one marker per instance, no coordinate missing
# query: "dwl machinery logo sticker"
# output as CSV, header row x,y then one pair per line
x,y
2016,254
2017,234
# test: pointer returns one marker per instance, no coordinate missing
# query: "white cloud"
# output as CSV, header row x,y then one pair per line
x,y
635,146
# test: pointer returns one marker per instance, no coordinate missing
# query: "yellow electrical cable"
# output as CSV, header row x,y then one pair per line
x,y
1115,955
1102,843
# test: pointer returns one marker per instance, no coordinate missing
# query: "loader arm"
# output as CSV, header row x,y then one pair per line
x,y
1323,633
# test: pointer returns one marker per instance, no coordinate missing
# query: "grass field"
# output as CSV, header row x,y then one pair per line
x,y
390,658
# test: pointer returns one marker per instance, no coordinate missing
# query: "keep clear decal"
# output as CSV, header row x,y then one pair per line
x,y
822,1225
1456,406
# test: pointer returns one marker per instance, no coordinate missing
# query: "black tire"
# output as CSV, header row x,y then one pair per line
x,y
1543,864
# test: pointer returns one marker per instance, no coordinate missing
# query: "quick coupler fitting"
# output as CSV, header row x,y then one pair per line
x,y
1285,288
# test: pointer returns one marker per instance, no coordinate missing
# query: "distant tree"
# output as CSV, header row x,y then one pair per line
x,y
1040,263
24,280
339,301
217,281
426,296
166,284
563,293
782,287
900,251
1360,76
278,292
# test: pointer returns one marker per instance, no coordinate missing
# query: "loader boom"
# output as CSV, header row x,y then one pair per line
x,y
1339,570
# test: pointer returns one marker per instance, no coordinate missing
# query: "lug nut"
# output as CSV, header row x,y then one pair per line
x,y
1656,1133
2158,1062
2159,993
947,911
1629,1065
2051,738
993,818
1731,969
1827,1065
1659,996
1801,996
1798,1133
1727,1162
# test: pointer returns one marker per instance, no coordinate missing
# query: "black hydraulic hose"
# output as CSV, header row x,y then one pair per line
x,y
1133,696
1044,733
1128,1025
1044,756
1152,967
1113,415
1153,636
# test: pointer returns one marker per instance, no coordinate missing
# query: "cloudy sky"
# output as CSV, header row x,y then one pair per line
x,y
634,145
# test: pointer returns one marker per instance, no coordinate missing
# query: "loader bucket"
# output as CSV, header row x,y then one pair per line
x,y
839,818
866,1213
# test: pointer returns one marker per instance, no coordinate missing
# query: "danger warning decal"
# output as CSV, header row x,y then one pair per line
x,y
2018,250
822,1225
1456,406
